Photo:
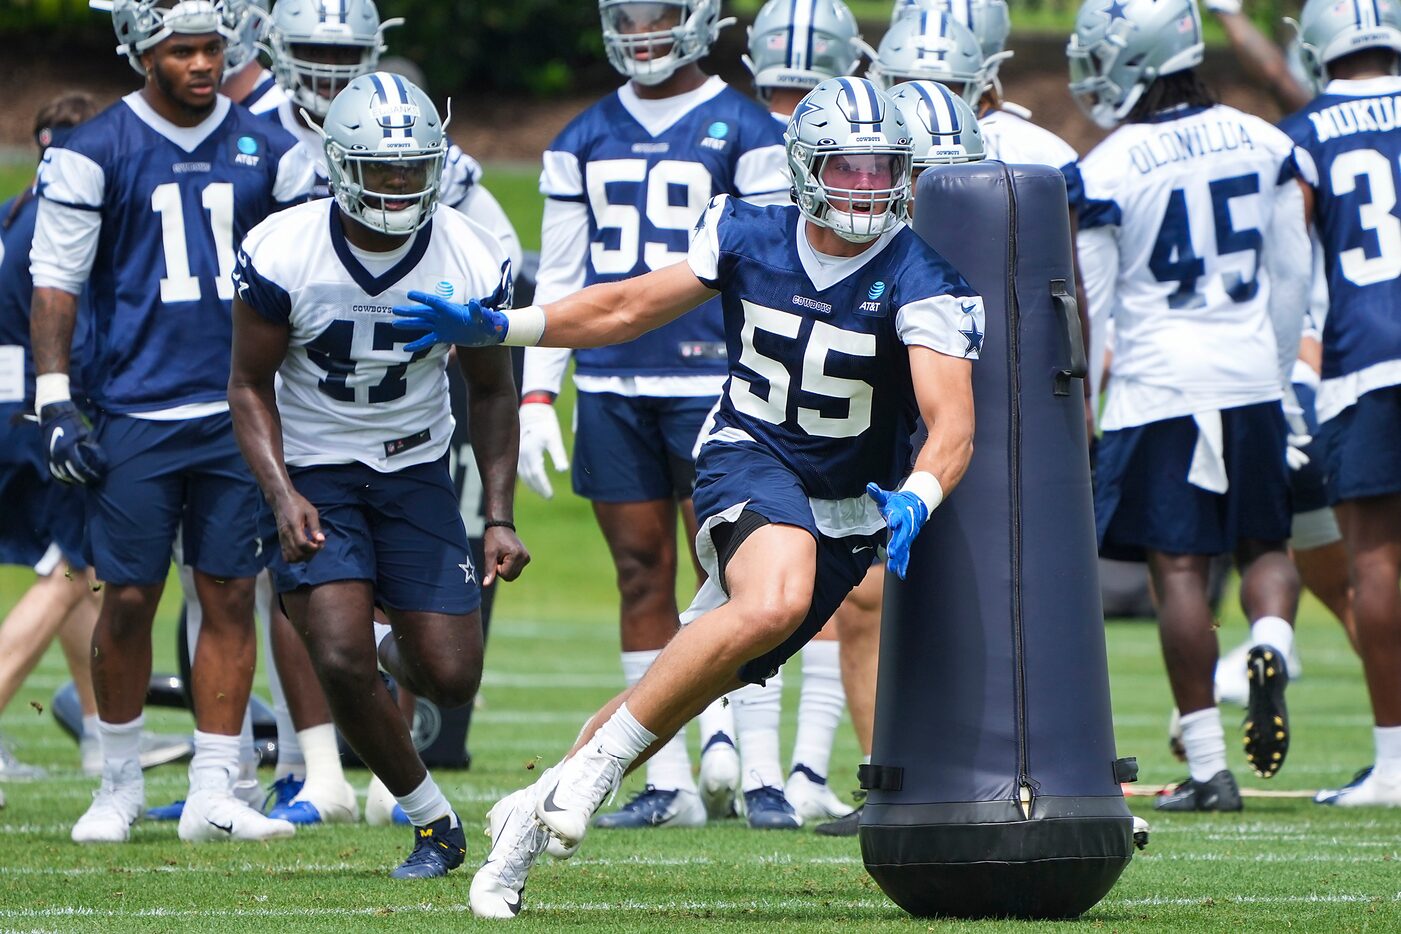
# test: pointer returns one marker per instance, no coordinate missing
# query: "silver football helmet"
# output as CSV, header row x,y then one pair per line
x,y
248,19
383,128
353,25
141,25
903,8
942,125
801,43
849,153
1120,47
666,33
931,47
990,22
1329,30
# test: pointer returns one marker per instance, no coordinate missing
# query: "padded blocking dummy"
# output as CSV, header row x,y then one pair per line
x,y
994,785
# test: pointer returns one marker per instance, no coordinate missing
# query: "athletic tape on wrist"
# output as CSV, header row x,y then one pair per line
x,y
50,388
527,326
926,486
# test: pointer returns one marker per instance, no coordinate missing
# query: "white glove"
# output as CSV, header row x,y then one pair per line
x,y
1223,7
540,434
1298,437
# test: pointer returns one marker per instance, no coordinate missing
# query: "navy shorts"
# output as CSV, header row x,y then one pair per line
x,y
631,449
164,476
1310,483
1363,447
401,531
1143,501
745,477
36,511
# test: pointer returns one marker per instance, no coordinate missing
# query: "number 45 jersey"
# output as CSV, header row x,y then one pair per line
x,y
1349,140
347,390
150,213
817,345
1190,199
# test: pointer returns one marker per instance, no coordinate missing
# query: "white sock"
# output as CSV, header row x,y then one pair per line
x,y
290,758
622,737
215,765
247,752
1273,631
670,766
1388,743
323,757
756,721
382,632
425,804
91,725
121,745
820,706
1205,742
719,717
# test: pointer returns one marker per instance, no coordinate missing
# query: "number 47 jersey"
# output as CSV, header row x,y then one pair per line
x,y
1349,141
150,214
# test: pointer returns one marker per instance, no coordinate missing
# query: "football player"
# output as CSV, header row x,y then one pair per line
x,y
788,509
1349,144
794,47
1193,241
624,183
153,240
347,430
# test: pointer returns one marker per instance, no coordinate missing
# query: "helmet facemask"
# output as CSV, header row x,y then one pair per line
x,y
141,25
858,192
666,33
393,193
314,84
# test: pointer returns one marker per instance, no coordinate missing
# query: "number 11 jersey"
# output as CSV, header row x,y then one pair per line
x,y
151,213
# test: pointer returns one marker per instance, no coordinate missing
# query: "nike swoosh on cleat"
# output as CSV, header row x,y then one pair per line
x,y
228,829
549,802
516,906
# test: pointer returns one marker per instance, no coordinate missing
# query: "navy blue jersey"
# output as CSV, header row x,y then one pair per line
x,y
159,211
1350,143
17,288
646,170
818,368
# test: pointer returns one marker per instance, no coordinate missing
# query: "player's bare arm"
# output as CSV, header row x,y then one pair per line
x,y
496,440
52,314
944,392
258,348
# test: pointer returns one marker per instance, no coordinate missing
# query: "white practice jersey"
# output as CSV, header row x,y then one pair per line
x,y
347,390
1192,239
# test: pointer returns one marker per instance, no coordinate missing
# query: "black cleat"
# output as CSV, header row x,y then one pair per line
x,y
1218,793
1266,719
437,849
842,826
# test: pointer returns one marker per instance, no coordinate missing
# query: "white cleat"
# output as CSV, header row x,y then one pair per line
x,y
117,804
812,800
517,840
719,777
1367,790
572,791
218,815
496,819
379,804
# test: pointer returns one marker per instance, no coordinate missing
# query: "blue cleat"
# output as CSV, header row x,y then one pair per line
x,y
656,807
768,809
171,811
398,816
282,792
438,849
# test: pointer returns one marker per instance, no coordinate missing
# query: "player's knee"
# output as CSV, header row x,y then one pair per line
x,y
776,610
452,681
344,669
129,610
644,574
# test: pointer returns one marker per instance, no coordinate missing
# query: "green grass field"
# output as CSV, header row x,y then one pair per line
x,y
552,658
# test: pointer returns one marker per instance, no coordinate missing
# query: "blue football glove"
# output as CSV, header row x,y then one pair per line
x,y
469,325
905,514
72,457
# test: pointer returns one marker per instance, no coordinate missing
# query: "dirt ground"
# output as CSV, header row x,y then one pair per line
x,y
497,128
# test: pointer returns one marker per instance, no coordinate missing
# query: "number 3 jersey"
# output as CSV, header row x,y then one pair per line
x,y
347,390
1180,221
819,371
1350,154
149,215
645,170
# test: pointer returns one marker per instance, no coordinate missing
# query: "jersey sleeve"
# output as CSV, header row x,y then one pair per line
x,y
1098,206
255,280
562,177
461,176
761,172
942,312
71,189
706,257
296,175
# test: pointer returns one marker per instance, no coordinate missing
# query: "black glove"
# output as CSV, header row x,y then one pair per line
x,y
72,457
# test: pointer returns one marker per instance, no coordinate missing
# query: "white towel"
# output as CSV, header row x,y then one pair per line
x,y
1208,470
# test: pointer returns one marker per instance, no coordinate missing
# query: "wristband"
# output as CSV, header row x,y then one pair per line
x,y
500,524
50,388
540,396
926,486
525,326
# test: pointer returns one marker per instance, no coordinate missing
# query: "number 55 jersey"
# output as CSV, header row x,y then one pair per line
x,y
1349,141
1181,231
150,214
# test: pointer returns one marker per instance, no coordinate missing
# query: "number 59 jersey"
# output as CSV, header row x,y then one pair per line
x,y
1190,196
1350,154
348,391
149,215
817,345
